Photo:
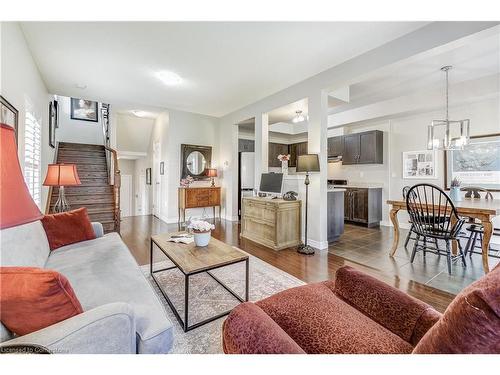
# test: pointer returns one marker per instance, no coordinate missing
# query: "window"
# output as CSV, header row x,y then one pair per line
x,y
32,145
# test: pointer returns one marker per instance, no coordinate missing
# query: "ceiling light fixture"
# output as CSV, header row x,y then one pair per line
x,y
140,113
169,78
299,117
448,142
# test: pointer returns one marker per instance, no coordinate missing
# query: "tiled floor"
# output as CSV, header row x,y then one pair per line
x,y
370,247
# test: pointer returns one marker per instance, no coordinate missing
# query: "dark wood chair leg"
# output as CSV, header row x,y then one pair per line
x,y
462,254
448,256
414,252
408,237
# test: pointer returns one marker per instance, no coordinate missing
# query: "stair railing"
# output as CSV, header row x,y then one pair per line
x,y
114,177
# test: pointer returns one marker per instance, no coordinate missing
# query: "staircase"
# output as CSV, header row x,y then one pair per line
x,y
97,192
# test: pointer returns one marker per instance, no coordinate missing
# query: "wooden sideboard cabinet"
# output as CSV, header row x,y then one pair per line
x,y
198,197
274,223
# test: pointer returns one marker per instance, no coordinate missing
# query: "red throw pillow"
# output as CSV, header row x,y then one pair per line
x,y
68,227
34,298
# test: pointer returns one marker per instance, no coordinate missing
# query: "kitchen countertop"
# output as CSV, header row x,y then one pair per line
x,y
336,190
360,185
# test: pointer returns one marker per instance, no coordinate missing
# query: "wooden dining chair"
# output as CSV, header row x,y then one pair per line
x,y
434,215
476,230
411,231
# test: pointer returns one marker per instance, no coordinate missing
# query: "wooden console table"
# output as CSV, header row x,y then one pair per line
x,y
198,197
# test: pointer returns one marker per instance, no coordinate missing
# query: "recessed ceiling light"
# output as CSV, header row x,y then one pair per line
x,y
140,113
80,86
169,78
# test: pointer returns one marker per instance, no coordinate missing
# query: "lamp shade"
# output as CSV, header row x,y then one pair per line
x,y
211,172
16,205
308,163
61,175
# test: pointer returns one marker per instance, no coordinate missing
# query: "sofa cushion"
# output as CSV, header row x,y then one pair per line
x,y
471,323
320,322
34,298
24,246
69,227
103,271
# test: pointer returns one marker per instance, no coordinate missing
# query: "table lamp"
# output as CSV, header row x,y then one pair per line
x,y
16,205
61,175
307,163
212,172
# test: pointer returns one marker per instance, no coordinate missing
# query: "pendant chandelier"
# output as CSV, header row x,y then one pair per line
x,y
299,117
456,133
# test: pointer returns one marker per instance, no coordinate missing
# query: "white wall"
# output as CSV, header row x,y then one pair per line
x,y
171,129
77,131
133,134
410,134
22,86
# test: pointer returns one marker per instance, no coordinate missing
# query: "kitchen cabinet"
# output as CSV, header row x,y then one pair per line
x,y
246,145
358,148
276,149
296,150
363,206
335,146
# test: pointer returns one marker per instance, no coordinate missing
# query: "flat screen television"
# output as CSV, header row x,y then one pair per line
x,y
271,183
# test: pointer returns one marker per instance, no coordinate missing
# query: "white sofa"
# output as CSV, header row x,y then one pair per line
x,y
122,313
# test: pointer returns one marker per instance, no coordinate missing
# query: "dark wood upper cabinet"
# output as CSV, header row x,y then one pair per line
x,y
336,146
358,148
292,150
276,149
351,149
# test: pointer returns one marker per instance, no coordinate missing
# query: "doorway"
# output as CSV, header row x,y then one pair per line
x,y
126,195
156,180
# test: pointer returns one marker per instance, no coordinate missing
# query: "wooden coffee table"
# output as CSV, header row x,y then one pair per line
x,y
192,260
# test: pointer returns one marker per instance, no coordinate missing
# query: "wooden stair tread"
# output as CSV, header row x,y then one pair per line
x,y
94,193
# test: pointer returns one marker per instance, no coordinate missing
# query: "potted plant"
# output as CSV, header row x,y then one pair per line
x,y
202,231
284,163
455,190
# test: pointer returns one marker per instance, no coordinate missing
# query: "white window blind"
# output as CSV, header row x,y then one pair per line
x,y
32,145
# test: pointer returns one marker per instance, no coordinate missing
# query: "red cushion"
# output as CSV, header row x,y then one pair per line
x,y
471,323
34,298
321,323
68,227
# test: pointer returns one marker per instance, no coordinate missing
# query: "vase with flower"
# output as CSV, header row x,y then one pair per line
x,y
202,232
284,163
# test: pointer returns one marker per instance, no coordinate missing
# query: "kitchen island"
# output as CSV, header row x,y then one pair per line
x,y
335,215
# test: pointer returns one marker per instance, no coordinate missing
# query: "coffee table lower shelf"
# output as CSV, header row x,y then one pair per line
x,y
184,322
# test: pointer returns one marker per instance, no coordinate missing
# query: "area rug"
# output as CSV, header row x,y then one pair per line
x,y
207,298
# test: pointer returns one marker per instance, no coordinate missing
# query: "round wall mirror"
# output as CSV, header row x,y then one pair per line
x,y
196,163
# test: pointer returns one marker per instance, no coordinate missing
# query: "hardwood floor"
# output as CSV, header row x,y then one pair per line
x,y
370,245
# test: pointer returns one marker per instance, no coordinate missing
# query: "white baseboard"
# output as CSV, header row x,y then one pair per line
x,y
319,245
387,223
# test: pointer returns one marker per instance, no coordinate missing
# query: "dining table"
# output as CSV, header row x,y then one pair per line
x,y
483,210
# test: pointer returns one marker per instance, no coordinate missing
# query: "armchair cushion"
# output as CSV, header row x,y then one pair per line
x,y
69,227
322,323
249,330
471,323
35,298
400,313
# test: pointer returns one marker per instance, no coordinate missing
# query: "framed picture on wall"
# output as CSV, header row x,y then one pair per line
x,y
148,176
162,168
8,114
84,110
478,164
419,164
52,124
